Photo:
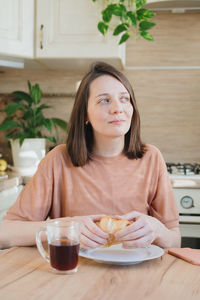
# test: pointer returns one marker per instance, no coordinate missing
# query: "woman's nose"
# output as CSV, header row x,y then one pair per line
x,y
116,107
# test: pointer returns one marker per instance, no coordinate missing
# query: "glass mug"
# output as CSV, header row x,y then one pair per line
x,y
63,245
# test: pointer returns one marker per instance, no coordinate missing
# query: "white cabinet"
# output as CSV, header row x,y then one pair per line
x,y
56,34
68,29
17,28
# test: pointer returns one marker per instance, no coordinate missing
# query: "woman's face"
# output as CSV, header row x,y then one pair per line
x,y
109,108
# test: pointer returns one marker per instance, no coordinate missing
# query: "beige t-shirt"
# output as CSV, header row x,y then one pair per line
x,y
105,185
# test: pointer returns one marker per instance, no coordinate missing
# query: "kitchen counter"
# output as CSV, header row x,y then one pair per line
x,y
182,181
26,275
12,180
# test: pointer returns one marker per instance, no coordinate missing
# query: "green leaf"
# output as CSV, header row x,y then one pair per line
x,y
43,106
51,139
60,123
36,93
124,38
145,25
146,36
132,17
120,28
11,108
21,140
8,124
102,27
107,14
118,10
140,3
29,86
144,14
20,96
48,124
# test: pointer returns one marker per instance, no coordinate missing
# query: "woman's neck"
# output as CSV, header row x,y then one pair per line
x,y
109,147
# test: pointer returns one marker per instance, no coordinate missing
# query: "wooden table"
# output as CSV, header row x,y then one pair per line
x,y
25,275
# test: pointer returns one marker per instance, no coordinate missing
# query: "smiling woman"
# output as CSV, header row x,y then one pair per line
x,y
104,169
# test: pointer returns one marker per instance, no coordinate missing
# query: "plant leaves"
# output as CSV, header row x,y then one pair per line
x,y
60,123
29,86
146,36
145,25
140,3
124,38
118,10
107,14
11,108
51,139
20,96
43,106
102,27
144,14
8,124
132,17
36,93
120,28
48,124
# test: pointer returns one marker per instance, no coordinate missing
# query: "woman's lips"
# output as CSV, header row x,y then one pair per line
x,y
116,122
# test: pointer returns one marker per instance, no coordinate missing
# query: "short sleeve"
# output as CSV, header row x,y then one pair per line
x,y
34,202
164,206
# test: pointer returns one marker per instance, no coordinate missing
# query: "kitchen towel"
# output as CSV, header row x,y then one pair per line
x,y
190,255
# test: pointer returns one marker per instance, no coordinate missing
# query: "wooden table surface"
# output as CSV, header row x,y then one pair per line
x,y
25,275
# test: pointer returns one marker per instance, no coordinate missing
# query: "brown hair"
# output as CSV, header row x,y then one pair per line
x,y
80,138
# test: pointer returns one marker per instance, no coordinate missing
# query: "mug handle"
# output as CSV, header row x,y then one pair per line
x,y
40,247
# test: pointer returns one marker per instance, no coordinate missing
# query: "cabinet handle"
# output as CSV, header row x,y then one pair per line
x,y
41,36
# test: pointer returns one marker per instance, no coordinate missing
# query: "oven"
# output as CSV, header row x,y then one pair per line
x,y
185,179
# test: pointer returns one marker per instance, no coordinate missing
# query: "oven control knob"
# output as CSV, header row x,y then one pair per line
x,y
187,202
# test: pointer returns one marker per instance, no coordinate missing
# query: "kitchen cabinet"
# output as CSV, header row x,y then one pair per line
x,y
66,34
17,28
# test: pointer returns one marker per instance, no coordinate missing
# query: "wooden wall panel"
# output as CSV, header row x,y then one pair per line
x,y
169,105
177,42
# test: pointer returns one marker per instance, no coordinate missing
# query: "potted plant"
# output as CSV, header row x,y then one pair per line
x,y
23,126
130,16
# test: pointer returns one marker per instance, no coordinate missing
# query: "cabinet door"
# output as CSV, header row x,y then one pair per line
x,y
68,29
17,28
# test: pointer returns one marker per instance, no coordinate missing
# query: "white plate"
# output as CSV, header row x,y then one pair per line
x,y
117,255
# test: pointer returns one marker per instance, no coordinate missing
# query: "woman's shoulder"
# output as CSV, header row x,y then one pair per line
x,y
151,149
153,153
56,156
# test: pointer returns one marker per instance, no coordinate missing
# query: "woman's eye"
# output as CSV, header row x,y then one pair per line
x,y
104,101
125,99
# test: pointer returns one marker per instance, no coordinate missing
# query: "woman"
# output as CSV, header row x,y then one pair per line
x,y
104,169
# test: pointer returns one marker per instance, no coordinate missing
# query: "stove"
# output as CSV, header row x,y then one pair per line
x,y
185,179
183,168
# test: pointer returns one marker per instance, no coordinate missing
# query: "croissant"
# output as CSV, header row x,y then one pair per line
x,y
111,226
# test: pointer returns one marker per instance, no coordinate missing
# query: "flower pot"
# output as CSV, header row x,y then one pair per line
x,y
27,157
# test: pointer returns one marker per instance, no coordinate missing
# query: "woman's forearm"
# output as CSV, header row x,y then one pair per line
x,y
18,233
167,238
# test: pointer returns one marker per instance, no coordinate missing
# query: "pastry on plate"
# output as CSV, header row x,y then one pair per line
x,y
111,226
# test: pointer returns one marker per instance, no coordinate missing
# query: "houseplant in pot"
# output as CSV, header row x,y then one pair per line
x,y
23,124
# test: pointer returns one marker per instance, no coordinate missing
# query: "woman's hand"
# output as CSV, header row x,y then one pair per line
x,y
141,233
91,235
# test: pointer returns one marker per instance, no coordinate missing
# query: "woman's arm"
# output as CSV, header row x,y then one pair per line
x,y
22,233
18,233
146,230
